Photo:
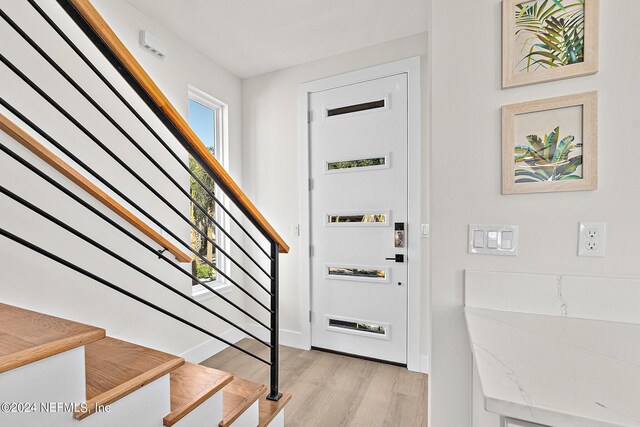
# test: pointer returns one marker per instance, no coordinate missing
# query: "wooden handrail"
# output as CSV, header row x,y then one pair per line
x,y
58,164
106,34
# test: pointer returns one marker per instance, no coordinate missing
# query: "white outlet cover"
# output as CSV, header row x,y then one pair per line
x,y
591,239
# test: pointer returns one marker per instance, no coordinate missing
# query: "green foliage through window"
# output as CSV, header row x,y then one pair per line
x,y
204,271
347,164
202,219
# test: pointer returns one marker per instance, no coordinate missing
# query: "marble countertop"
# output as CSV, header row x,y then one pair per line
x,y
557,371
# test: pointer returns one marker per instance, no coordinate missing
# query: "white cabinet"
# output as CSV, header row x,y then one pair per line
x,y
510,422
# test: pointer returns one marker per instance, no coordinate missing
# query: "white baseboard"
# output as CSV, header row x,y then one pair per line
x,y
294,339
288,338
424,364
421,365
212,346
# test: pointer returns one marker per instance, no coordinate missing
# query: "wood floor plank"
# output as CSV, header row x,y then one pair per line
x,y
27,336
336,390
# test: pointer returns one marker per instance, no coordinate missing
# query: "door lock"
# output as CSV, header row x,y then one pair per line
x,y
399,236
397,258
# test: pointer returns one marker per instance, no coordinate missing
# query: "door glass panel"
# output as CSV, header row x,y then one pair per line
x,y
356,218
358,163
358,326
355,108
355,272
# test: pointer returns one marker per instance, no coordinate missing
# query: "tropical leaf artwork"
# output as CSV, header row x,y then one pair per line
x,y
549,34
548,158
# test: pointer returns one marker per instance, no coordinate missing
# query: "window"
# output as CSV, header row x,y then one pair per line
x,y
355,108
206,118
359,218
357,326
361,164
357,273
360,327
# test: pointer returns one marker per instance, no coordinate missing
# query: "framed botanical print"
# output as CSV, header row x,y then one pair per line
x,y
550,145
544,40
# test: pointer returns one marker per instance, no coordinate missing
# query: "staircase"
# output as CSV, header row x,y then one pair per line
x,y
55,372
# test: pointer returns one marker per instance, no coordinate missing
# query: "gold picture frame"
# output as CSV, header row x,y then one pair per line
x,y
550,145
546,40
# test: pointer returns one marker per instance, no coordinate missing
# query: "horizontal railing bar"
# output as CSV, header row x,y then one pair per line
x,y
102,36
128,263
124,165
117,226
55,162
82,164
116,288
108,117
101,76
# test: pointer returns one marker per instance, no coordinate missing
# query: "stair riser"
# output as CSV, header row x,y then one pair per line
x,y
249,418
204,415
56,379
278,421
143,408
61,379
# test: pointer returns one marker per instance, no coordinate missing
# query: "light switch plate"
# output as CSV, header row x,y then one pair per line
x,y
492,239
591,239
424,231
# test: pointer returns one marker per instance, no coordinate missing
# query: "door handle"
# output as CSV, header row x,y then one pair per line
x,y
397,258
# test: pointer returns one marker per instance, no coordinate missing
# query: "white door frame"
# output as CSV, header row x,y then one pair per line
x,y
411,67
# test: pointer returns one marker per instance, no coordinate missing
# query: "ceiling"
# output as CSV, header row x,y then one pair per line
x,y
253,37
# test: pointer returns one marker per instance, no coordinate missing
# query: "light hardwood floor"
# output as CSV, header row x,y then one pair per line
x,y
330,390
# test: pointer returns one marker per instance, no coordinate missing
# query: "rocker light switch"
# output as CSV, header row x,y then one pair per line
x,y
478,238
507,240
493,239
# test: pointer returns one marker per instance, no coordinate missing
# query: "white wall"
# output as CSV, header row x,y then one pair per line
x,y
271,155
31,281
465,177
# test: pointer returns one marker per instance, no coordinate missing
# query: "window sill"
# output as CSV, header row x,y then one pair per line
x,y
200,293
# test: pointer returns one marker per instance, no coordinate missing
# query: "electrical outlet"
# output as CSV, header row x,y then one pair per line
x,y
591,239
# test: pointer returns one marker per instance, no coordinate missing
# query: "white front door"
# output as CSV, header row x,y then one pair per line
x,y
358,165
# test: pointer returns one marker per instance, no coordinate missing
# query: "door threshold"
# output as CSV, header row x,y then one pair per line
x,y
357,356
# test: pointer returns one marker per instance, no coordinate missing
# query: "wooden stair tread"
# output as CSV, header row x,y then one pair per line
x,y
191,385
116,368
237,396
27,336
269,409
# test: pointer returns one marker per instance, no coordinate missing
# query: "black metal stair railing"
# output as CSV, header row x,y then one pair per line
x,y
271,256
